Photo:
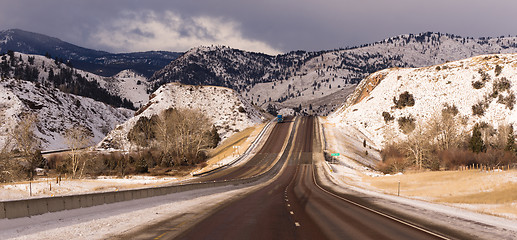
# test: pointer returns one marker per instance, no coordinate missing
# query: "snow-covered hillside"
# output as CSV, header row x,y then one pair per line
x,y
129,85
127,88
482,88
299,79
56,111
228,111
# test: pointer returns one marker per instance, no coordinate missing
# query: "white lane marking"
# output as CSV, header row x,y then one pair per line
x,y
288,205
374,211
291,212
297,224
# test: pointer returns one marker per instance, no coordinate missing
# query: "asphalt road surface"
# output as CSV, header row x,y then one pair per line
x,y
294,207
262,160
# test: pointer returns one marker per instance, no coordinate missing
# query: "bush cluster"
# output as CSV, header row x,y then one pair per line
x,y
405,100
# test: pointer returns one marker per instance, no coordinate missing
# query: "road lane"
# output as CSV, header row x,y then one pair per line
x,y
259,163
294,207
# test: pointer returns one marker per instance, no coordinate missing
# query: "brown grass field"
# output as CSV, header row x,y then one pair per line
x,y
493,192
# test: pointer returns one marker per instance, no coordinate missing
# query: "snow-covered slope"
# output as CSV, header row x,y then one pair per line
x,y
228,111
297,79
129,85
464,84
56,111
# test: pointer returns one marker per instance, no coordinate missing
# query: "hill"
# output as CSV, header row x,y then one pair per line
x,y
299,79
55,112
227,110
99,62
478,90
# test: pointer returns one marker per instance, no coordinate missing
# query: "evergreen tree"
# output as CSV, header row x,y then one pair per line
x,y
510,143
476,143
214,137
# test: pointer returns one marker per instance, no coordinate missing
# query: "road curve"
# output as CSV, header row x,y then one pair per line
x,y
294,207
259,163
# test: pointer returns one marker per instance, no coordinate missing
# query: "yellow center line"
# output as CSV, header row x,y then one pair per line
x,y
160,235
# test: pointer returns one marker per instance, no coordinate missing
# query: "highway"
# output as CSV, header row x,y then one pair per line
x,y
262,160
293,206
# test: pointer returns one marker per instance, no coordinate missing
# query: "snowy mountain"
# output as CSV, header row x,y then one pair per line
x,y
56,111
126,89
50,90
99,62
480,89
229,112
299,79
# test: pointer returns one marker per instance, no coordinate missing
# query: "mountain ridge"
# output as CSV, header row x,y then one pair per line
x,y
99,62
302,77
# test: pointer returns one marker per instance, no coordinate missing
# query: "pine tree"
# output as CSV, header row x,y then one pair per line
x,y
476,143
510,143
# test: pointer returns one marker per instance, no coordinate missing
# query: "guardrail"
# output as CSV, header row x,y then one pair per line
x,y
38,206
242,156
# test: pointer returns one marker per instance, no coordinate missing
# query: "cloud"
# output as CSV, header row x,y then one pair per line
x,y
151,30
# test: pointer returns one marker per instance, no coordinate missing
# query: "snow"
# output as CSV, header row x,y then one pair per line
x,y
317,75
58,112
46,187
105,221
227,117
345,175
432,88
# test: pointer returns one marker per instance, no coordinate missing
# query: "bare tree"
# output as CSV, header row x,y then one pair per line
x,y
77,138
182,135
26,141
417,146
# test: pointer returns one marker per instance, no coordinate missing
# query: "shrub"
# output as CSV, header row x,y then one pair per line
x,y
453,158
242,110
393,160
502,84
484,76
498,70
478,109
406,124
449,110
405,100
387,117
478,84
509,100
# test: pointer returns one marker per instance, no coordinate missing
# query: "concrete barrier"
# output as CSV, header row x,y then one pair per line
x,y
109,197
31,207
37,206
56,204
16,209
72,202
97,199
2,210
86,200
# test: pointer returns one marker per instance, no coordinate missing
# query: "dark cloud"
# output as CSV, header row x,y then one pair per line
x,y
272,25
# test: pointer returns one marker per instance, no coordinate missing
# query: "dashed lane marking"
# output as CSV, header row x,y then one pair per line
x,y
297,224
291,212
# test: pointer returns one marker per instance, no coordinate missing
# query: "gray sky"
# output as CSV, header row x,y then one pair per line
x,y
265,25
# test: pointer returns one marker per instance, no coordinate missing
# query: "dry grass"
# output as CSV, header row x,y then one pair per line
x,y
225,149
471,187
